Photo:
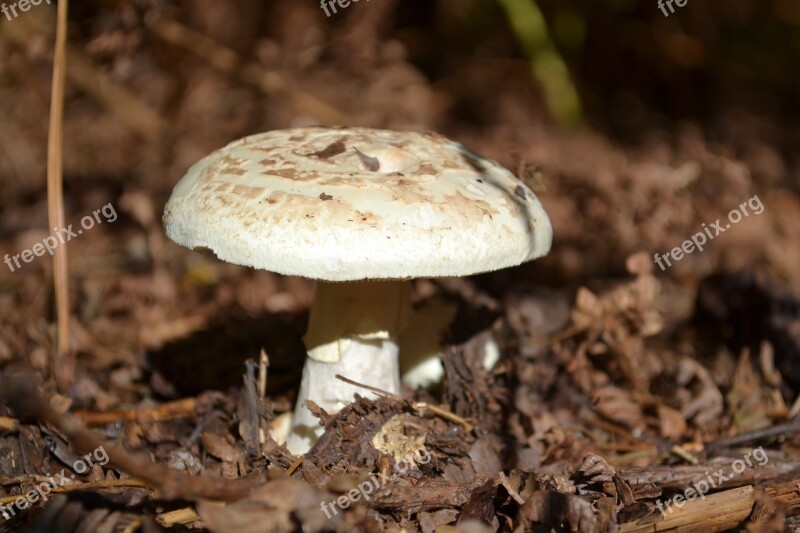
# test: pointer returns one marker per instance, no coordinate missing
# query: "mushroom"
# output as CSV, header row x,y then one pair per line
x,y
361,211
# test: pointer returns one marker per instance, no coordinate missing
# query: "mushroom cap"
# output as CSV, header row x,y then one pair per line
x,y
343,204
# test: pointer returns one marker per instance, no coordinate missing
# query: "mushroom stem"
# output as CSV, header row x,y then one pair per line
x,y
352,331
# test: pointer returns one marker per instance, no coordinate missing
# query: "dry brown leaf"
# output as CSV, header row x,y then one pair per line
x,y
555,510
485,460
672,425
220,448
618,405
273,507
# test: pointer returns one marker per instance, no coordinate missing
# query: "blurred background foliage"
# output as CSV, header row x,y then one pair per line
x,y
639,126
730,65
634,67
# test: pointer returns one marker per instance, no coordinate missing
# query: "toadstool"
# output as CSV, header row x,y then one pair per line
x,y
362,211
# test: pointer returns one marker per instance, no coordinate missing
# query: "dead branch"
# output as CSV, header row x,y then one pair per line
x,y
716,512
425,496
21,395
678,477
165,411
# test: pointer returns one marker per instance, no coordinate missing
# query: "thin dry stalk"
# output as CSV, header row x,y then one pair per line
x,y
62,361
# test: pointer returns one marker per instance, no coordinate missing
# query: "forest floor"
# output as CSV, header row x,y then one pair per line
x,y
620,386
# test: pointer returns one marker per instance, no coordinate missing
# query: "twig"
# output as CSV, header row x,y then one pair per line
x,y
8,424
683,454
431,495
183,516
511,490
376,390
295,465
678,477
89,485
165,411
263,366
248,412
62,361
444,413
788,428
